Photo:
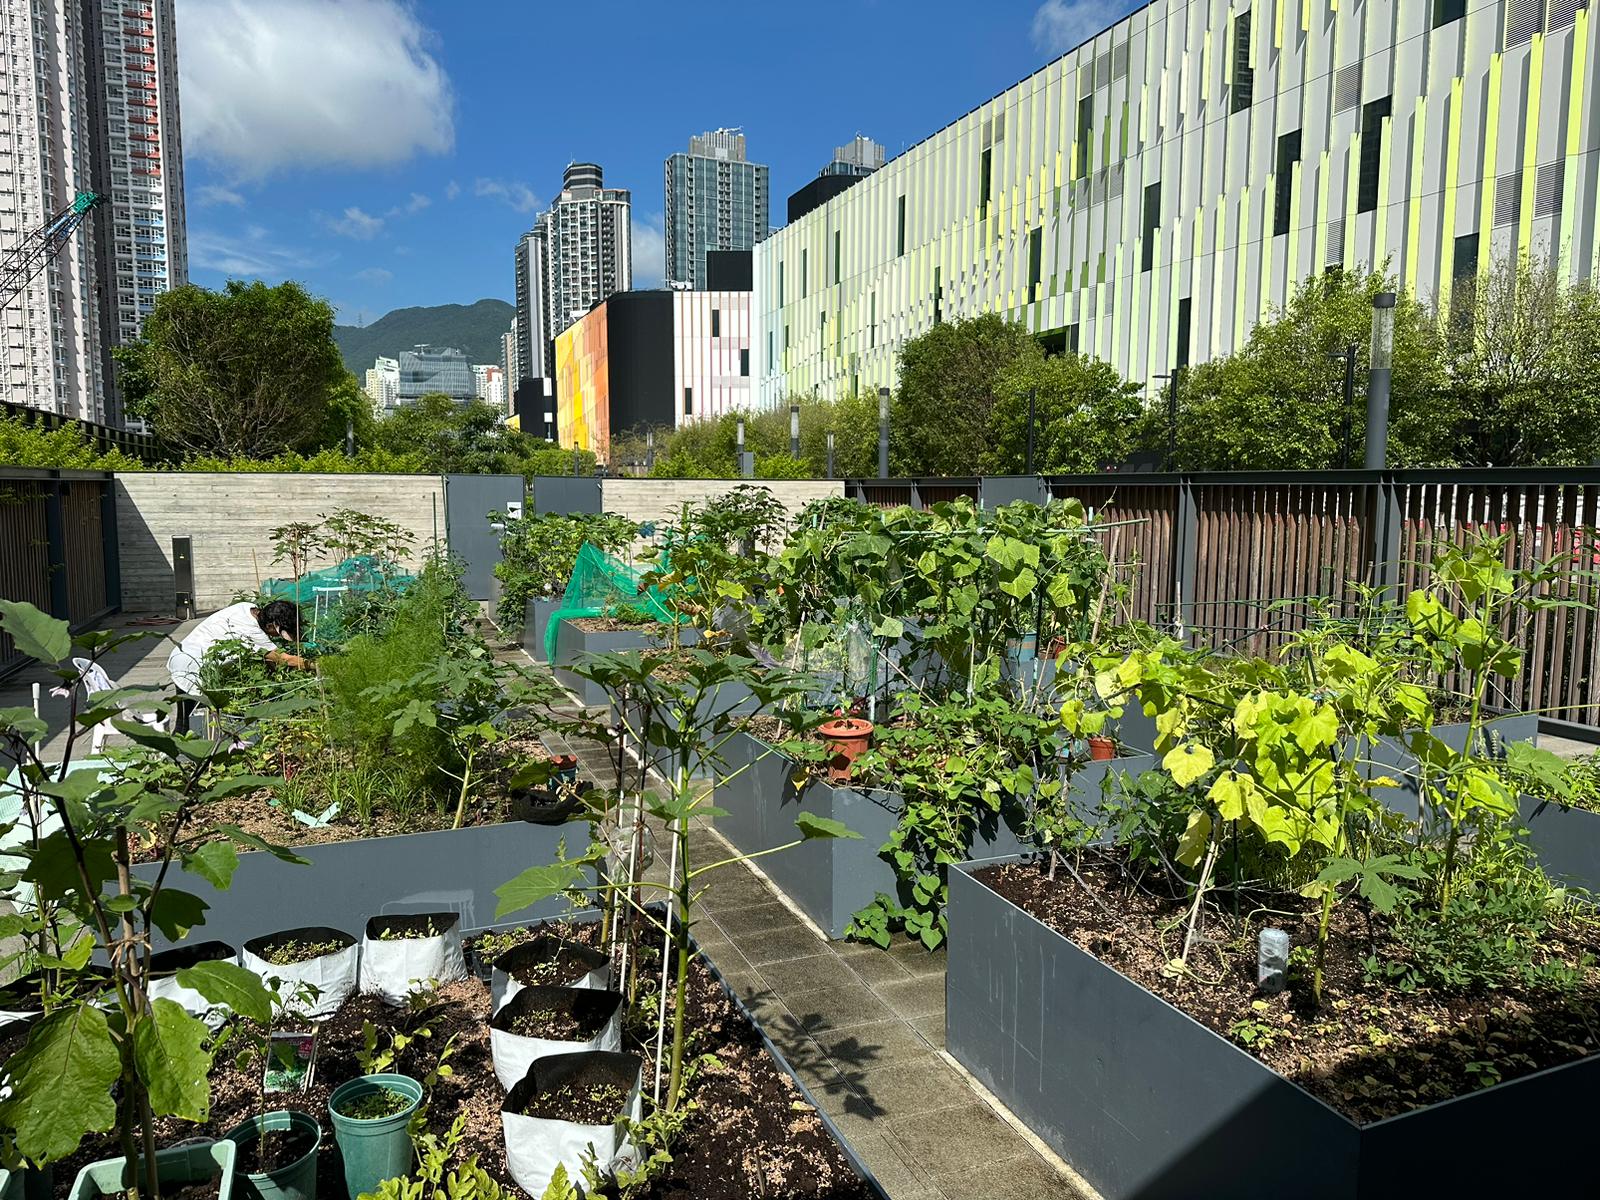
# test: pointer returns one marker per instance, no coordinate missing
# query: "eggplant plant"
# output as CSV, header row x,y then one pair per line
x,y
104,1054
672,702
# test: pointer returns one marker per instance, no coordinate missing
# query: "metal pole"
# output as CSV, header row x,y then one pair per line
x,y
830,454
349,439
794,431
1378,380
1033,395
649,449
577,455
883,433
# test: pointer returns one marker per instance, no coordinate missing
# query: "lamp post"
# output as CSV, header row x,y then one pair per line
x,y
794,431
830,454
1380,368
883,433
649,450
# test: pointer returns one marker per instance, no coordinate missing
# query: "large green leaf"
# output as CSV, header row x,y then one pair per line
x,y
235,784
169,1051
231,985
36,634
534,885
61,1083
283,853
22,722
215,862
54,866
812,826
176,912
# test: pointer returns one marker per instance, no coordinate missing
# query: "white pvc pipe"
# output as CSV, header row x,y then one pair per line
x,y
666,958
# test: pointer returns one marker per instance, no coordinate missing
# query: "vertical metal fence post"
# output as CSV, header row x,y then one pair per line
x,y
55,532
1185,556
111,547
1387,515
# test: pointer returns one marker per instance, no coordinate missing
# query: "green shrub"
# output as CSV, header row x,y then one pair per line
x,y
538,553
67,448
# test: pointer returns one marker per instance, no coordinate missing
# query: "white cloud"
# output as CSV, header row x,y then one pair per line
x,y
252,256
270,85
514,192
212,194
649,250
375,275
1061,25
411,207
452,190
355,223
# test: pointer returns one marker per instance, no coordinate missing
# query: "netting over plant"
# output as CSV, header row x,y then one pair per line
x,y
602,584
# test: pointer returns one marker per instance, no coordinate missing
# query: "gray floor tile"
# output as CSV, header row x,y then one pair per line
x,y
918,996
917,958
774,945
865,1047
804,974
912,1086
931,1028
755,917
960,1140
842,1006
1025,1177
873,965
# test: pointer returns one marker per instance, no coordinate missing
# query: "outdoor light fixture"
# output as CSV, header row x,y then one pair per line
x,y
883,433
830,454
794,430
1380,368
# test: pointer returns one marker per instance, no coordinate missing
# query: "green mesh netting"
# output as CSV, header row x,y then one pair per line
x,y
328,593
600,584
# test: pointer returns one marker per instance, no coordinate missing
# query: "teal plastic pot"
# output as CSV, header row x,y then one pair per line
x,y
175,1167
378,1149
296,1180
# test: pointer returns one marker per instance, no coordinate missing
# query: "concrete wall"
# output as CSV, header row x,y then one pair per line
x,y
231,515
662,500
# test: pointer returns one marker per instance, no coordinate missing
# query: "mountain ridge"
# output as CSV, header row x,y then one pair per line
x,y
474,329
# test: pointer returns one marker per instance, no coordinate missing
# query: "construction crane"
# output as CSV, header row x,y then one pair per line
x,y
25,260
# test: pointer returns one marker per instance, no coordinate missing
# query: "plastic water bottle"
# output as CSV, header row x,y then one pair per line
x,y
1272,961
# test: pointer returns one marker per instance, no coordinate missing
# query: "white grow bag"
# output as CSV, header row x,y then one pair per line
x,y
394,968
164,979
590,968
535,1146
514,1053
333,975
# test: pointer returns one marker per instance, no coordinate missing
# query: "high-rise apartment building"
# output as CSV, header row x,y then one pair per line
x,y
860,156
1151,195
88,102
716,199
508,360
490,382
382,384
578,252
850,164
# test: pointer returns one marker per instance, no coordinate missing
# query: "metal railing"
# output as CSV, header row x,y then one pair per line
x,y
105,438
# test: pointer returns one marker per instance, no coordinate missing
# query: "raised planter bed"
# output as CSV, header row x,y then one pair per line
x,y
1566,841
831,879
536,616
1146,1102
450,870
1389,757
573,644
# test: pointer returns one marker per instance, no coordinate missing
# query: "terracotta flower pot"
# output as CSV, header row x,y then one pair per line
x,y
848,739
1102,749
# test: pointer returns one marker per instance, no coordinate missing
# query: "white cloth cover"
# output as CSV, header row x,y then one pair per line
x,y
514,1053
333,975
394,968
502,986
535,1146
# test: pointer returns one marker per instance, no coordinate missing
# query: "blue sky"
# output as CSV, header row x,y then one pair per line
x,y
389,153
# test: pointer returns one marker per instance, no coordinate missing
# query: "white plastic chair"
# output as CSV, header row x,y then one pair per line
x,y
92,676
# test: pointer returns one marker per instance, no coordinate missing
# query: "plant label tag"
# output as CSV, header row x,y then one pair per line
x,y
291,1061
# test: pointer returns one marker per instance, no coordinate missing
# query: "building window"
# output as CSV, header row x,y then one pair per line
x,y
1183,334
1035,261
805,273
1244,75
1373,115
1465,263
1085,135
744,363
838,257
770,356
688,402
873,324
716,322
1152,222
1283,182
900,229
985,167
938,297
780,281
1445,11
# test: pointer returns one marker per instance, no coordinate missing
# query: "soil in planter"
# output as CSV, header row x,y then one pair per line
x,y
374,1105
288,951
200,1189
280,1148
560,970
582,1101
752,1135
613,625
1370,1051
490,946
414,931
559,1023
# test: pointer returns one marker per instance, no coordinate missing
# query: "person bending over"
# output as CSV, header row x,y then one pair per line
x,y
261,628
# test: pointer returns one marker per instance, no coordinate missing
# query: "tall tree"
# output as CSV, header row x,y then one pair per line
x,y
1085,416
244,371
951,379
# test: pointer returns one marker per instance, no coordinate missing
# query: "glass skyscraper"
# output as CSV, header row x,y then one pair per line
x,y
716,200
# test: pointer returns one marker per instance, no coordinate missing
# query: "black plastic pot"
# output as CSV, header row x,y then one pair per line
x,y
589,967
1147,1103
549,806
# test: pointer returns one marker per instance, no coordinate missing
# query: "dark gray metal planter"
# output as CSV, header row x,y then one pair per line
x,y
451,870
536,616
1147,1103
574,644
832,879
1389,757
1566,842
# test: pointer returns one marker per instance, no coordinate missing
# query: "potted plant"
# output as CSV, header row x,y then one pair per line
x,y
540,1021
312,961
847,739
371,1117
481,950
549,961
277,1154
567,1107
210,1165
404,952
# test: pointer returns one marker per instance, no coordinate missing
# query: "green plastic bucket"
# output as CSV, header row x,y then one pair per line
x,y
292,1181
378,1149
175,1167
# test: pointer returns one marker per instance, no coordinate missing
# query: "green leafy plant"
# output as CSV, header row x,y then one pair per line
x,y
434,1179
538,552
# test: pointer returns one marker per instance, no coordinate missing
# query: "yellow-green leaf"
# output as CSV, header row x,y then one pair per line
x,y
1195,835
1188,762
